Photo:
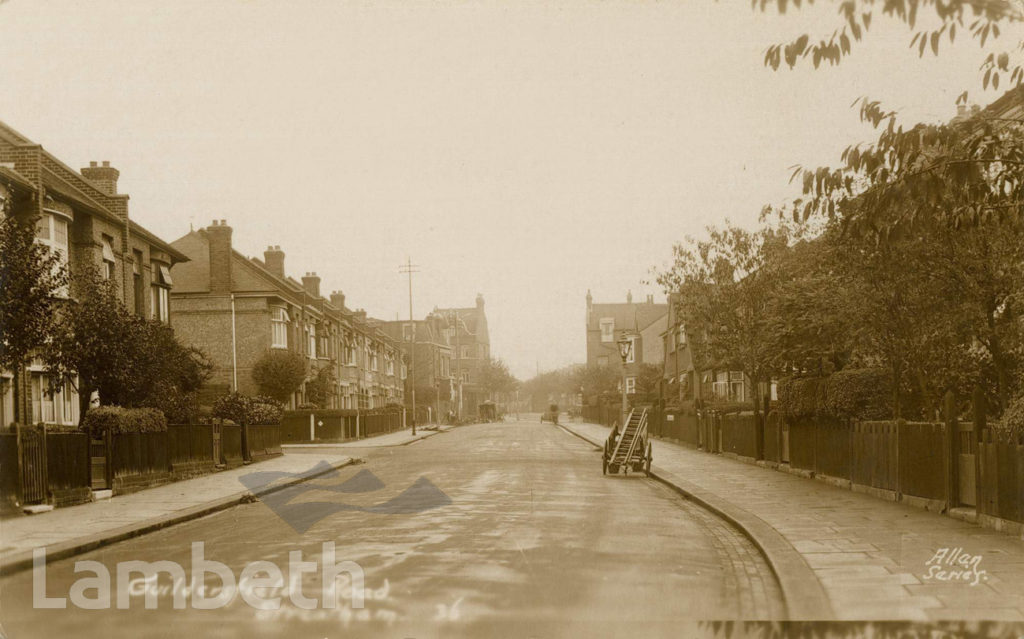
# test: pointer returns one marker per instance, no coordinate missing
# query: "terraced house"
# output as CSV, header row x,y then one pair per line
x,y
82,218
237,308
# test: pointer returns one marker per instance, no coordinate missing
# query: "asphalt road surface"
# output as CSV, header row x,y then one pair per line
x,y
488,530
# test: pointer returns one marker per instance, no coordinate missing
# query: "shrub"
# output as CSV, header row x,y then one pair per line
x,y
119,420
723,406
859,393
242,409
279,373
264,411
801,397
233,406
1013,416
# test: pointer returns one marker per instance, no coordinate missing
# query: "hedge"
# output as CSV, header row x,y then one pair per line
x,y
857,393
119,420
253,411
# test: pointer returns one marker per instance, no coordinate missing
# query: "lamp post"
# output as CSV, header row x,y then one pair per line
x,y
625,348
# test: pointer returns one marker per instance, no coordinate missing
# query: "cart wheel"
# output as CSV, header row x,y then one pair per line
x,y
647,462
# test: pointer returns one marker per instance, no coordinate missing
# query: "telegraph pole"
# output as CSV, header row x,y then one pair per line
x,y
410,268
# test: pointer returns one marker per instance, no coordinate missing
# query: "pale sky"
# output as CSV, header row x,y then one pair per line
x,y
524,150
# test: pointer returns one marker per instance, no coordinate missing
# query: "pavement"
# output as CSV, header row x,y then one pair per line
x,y
69,531
520,535
874,559
398,438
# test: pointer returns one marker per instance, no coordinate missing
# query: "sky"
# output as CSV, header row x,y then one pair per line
x,y
527,151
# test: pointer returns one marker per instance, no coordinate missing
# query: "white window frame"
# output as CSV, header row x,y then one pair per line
x,y
279,321
631,357
53,220
311,340
630,385
681,336
109,262
607,329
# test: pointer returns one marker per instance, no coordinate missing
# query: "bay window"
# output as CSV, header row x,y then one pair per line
x,y
52,232
279,328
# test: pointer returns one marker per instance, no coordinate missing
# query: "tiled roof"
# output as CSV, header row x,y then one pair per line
x,y
630,316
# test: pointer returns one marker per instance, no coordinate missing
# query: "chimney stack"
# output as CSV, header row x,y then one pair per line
x,y
361,315
219,234
629,297
104,177
273,257
311,282
338,299
480,301
650,299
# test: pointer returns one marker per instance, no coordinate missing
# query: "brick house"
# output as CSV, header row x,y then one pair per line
x,y
236,309
643,322
433,369
83,219
471,344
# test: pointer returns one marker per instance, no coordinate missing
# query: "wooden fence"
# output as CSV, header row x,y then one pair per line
x,y
923,463
336,425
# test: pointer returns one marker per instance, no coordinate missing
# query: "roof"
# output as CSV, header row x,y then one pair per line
x,y
60,178
630,315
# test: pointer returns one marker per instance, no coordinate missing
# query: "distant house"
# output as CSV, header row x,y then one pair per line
x,y
643,322
81,217
433,372
471,345
237,308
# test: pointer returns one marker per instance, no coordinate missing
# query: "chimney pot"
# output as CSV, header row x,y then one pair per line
x,y
106,163
273,257
93,163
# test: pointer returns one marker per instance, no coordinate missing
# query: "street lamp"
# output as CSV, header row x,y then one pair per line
x,y
625,349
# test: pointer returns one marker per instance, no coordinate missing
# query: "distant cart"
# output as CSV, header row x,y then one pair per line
x,y
629,449
550,415
488,411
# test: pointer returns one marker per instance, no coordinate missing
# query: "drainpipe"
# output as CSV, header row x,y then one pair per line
x,y
234,348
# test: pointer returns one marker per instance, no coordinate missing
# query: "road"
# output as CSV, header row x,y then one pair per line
x,y
525,538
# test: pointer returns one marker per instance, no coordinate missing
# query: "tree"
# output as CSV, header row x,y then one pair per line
x,y
99,345
31,277
594,380
279,373
648,380
321,386
722,286
856,17
495,377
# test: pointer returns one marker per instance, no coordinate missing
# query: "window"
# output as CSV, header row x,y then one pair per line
x,y
630,385
311,341
374,364
408,332
389,364
631,357
108,257
405,370
160,292
466,352
681,336
465,377
607,329
6,396
53,405
52,232
138,284
279,328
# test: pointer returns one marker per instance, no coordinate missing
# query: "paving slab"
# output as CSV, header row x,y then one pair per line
x,y
853,543
65,532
